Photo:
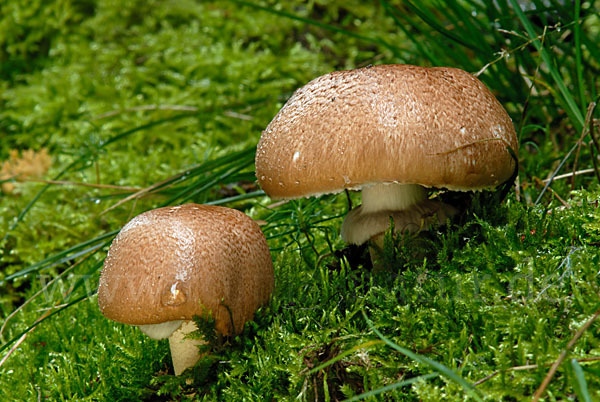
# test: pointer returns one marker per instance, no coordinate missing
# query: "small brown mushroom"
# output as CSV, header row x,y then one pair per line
x,y
170,264
391,131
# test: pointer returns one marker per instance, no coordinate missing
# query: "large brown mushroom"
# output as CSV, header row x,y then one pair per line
x,y
170,264
391,131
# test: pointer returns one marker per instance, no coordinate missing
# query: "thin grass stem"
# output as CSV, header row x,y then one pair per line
x,y
542,388
438,367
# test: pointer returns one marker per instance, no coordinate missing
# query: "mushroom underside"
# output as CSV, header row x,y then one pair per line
x,y
410,212
162,330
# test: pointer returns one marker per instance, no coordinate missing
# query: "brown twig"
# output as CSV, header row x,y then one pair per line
x,y
567,175
593,124
179,108
13,348
22,338
565,203
558,197
42,290
277,204
530,367
540,391
236,115
505,54
594,163
75,183
594,146
518,189
140,193
584,131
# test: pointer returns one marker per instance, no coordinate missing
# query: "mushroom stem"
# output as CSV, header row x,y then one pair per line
x,y
376,245
184,350
391,197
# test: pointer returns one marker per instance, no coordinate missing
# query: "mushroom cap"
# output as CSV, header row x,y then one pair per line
x,y
173,263
436,127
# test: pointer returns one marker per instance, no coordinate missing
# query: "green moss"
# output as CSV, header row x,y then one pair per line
x,y
131,94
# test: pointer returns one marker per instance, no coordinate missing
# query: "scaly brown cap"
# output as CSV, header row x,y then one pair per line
x,y
436,127
173,263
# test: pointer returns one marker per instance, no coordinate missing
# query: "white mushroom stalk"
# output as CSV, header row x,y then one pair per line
x,y
184,349
391,197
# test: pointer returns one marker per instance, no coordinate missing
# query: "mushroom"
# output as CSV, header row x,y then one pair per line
x,y
391,131
170,264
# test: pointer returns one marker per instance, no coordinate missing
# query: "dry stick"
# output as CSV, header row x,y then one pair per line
x,y
22,338
540,391
531,367
567,175
594,163
179,108
322,258
502,54
593,124
584,132
236,115
42,290
97,172
144,191
505,54
14,347
524,114
565,204
277,204
75,183
41,318
132,210
594,145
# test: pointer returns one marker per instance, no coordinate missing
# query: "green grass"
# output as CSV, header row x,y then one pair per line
x,y
166,100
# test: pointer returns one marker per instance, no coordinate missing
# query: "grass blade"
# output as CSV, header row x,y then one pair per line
x,y
393,386
582,388
318,24
344,354
235,198
81,159
567,99
578,56
42,319
426,53
438,367
65,256
244,159
542,388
